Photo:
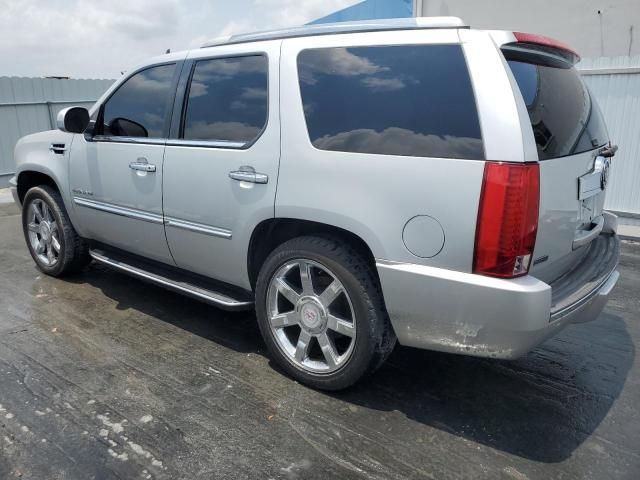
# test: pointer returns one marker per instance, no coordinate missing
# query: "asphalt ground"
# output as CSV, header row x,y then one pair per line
x,y
103,376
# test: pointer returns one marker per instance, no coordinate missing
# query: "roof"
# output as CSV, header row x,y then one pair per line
x,y
342,27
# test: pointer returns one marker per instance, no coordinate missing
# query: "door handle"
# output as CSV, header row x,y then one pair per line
x,y
142,165
248,174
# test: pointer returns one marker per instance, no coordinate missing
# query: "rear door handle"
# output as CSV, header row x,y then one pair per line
x,y
142,165
248,174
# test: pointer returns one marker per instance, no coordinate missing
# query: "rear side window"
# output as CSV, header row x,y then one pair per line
x,y
564,117
413,100
140,106
227,99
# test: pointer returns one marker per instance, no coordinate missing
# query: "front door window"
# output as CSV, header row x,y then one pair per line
x,y
140,106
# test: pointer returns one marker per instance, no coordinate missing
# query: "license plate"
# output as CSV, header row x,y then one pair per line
x,y
594,182
591,189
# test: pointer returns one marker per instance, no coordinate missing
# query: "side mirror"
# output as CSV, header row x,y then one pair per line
x,y
123,127
73,119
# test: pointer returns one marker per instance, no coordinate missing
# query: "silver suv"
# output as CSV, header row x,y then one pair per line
x,y
357,183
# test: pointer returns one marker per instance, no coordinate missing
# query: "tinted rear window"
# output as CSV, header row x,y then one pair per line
x,y
414,100
564,118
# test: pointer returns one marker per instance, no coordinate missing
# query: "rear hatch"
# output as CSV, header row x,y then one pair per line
x,y
570,136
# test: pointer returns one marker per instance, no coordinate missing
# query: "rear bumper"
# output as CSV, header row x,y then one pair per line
x,y
13,187
587,286
457,312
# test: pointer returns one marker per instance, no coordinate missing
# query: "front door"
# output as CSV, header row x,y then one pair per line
x,y
221,167
116,174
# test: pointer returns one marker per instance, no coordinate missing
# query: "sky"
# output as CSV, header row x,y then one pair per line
x,y
101,39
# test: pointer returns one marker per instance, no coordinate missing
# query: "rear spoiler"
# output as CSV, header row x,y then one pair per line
x,y
540,49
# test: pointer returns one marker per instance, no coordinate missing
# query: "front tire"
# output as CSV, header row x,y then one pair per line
x,y
52,241
321,312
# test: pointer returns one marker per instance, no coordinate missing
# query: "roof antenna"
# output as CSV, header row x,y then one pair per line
x,y
168,51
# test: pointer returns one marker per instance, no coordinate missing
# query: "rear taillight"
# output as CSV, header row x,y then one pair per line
x,y
507,219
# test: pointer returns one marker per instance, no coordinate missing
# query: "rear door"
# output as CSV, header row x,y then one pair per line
x,y
221,162
569,133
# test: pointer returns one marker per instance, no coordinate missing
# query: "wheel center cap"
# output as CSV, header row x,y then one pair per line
x,y
45,231
312,317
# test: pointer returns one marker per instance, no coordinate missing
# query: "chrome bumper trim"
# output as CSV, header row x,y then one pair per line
x,y
603,289
595,271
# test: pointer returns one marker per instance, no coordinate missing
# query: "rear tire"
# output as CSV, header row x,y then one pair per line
x,y
52,241
321,312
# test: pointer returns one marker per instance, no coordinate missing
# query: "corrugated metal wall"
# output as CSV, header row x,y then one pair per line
x,y
615,83
29,105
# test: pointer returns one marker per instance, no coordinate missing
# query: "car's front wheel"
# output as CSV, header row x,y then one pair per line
x,y
52,241
321,312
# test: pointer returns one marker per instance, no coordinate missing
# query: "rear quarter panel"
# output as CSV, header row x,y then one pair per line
x,y
374,196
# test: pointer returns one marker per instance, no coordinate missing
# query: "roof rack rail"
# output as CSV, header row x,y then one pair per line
x,y
341,27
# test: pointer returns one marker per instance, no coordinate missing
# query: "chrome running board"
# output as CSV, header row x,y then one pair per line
x,y
179,285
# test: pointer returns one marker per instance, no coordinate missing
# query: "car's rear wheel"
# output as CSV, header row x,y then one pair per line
x,y
52,241
321,313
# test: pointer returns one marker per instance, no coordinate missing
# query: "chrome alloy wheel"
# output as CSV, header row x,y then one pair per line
x,y
44,233
311,316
